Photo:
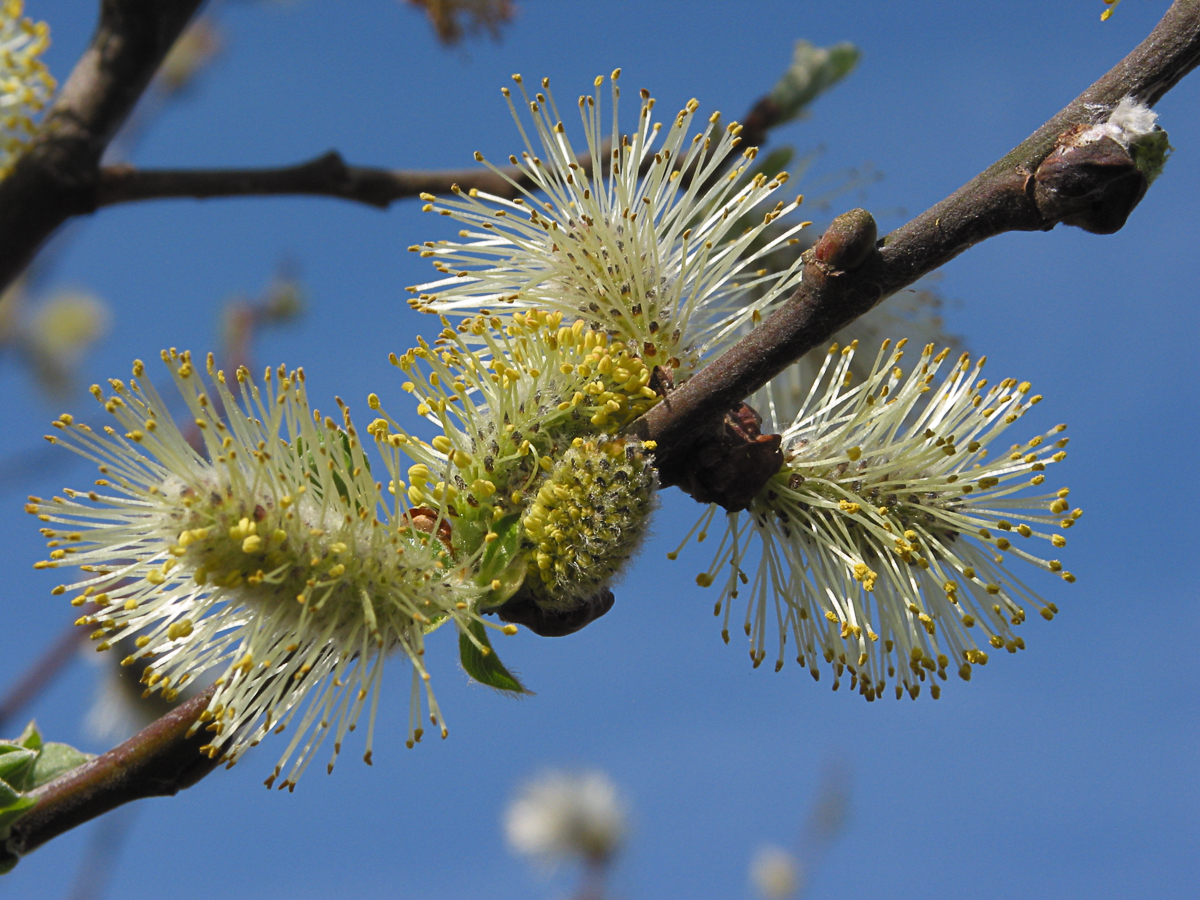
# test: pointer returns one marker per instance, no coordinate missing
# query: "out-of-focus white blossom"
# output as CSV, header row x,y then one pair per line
x,y
561,816
775,873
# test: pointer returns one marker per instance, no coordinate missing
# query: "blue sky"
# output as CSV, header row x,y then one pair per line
x,y
1066,771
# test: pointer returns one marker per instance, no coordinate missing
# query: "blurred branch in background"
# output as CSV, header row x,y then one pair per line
x,y
562,818
452,19
781,874
190,56
243,319
40,674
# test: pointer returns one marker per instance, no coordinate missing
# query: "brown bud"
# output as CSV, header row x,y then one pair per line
x,y
425,519
1093,186
522,609
848,241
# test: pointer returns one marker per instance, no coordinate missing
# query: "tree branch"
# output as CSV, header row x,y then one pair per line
x,y
55,178
325,176
846,274
158,761
1044,181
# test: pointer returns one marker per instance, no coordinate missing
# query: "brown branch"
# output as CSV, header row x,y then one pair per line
x,y
325,176
1044,181
55,178
59,175
158,761
329,175
846,274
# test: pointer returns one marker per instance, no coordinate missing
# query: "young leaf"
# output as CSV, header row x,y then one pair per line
x,y
485,667
31,738
15,763
13,805
502,567
25,764
54,760
499,553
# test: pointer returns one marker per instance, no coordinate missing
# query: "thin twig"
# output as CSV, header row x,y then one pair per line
x,y
846,274
158,761
55,178
327,175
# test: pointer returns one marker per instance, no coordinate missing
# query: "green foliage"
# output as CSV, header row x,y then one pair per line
x,y
503,566
27,763
813,71
482,664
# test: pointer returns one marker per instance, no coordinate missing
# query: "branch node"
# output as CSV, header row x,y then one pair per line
x,y
732,466
848,241
1093,185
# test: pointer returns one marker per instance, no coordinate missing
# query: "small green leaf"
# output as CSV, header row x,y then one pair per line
x,y
499,553
486,668
25,764
510,581
11,811
16,763
502,568
56,759
31,738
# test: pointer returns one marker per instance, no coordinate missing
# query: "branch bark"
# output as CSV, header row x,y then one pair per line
x,y
1039,184
846,274
55,178
327,175
158,761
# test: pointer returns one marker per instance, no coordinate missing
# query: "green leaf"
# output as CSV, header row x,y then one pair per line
x,y
56,759
25,764
813,71
11,811
485,667
16,764
31,738
499,553
502,568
